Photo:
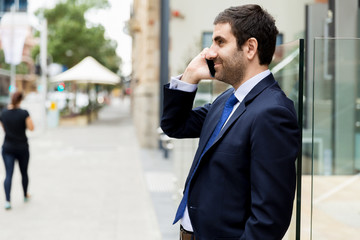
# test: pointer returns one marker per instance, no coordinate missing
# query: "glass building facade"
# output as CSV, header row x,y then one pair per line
x,y
20,5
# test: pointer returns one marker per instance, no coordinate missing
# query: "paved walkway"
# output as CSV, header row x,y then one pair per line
x,y
86,183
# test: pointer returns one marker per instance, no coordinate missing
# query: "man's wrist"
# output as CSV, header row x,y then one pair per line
x,y
189,77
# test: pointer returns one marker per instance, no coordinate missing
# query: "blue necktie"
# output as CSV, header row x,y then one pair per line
x,y
229,105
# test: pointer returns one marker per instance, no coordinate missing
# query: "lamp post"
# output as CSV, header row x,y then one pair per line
x,y
43,64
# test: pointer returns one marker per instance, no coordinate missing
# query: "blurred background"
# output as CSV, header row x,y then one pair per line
x,y
92,72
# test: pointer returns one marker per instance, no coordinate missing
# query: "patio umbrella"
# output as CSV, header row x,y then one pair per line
x,y
88,71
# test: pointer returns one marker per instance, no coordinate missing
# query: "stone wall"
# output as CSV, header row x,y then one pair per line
x,y
145,30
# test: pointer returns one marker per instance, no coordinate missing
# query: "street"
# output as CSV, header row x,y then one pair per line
x,y
87,183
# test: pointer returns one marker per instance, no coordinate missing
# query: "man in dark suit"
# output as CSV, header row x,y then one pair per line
x,y
242,181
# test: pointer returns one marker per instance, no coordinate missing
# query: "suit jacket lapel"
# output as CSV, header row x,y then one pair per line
x,y
263,84
211,124
238,112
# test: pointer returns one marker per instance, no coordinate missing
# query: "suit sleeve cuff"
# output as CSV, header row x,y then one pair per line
x,y
176,83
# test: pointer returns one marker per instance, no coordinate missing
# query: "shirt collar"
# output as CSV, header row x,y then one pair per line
x,y
246,87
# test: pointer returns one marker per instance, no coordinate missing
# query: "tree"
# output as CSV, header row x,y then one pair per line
x,y
71,38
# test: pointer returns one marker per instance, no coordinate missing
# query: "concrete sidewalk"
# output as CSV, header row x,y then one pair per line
x,y
86,183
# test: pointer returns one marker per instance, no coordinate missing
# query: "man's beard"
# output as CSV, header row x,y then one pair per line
x,y
233,70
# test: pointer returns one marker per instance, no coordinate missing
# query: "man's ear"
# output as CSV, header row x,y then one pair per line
x,y
251,48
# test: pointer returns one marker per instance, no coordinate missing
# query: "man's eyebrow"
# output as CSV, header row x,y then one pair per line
x,y
218,38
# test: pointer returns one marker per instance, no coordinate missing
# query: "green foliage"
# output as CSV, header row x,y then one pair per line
x,y
21,68
71,39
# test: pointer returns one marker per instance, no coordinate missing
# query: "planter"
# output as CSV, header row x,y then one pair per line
x,y
79,120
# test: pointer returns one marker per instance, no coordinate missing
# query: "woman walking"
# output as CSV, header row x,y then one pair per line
x,y
15,121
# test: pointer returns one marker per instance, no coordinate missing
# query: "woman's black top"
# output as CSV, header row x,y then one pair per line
x,y
14,122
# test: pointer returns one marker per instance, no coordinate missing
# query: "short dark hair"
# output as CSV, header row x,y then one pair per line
x,y
16,98
249,21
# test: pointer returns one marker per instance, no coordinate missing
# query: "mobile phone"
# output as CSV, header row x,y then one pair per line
x,y
210,64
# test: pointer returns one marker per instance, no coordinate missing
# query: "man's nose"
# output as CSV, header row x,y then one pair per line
x,y
211,54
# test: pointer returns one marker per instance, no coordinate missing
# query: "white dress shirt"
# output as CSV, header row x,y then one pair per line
x,y
240,94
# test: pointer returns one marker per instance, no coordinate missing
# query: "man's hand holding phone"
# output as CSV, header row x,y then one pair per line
x,y
199,69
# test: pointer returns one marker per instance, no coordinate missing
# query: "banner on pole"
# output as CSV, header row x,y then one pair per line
x,y
14,29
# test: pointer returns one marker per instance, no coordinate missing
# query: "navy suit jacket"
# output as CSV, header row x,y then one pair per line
x,y
245,184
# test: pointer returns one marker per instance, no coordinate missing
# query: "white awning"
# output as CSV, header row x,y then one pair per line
x,y
88,71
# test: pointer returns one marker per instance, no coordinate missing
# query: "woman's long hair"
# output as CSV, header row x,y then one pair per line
x,y
16,98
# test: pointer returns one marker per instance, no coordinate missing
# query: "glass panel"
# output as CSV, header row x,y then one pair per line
x,y
336,155
285,68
